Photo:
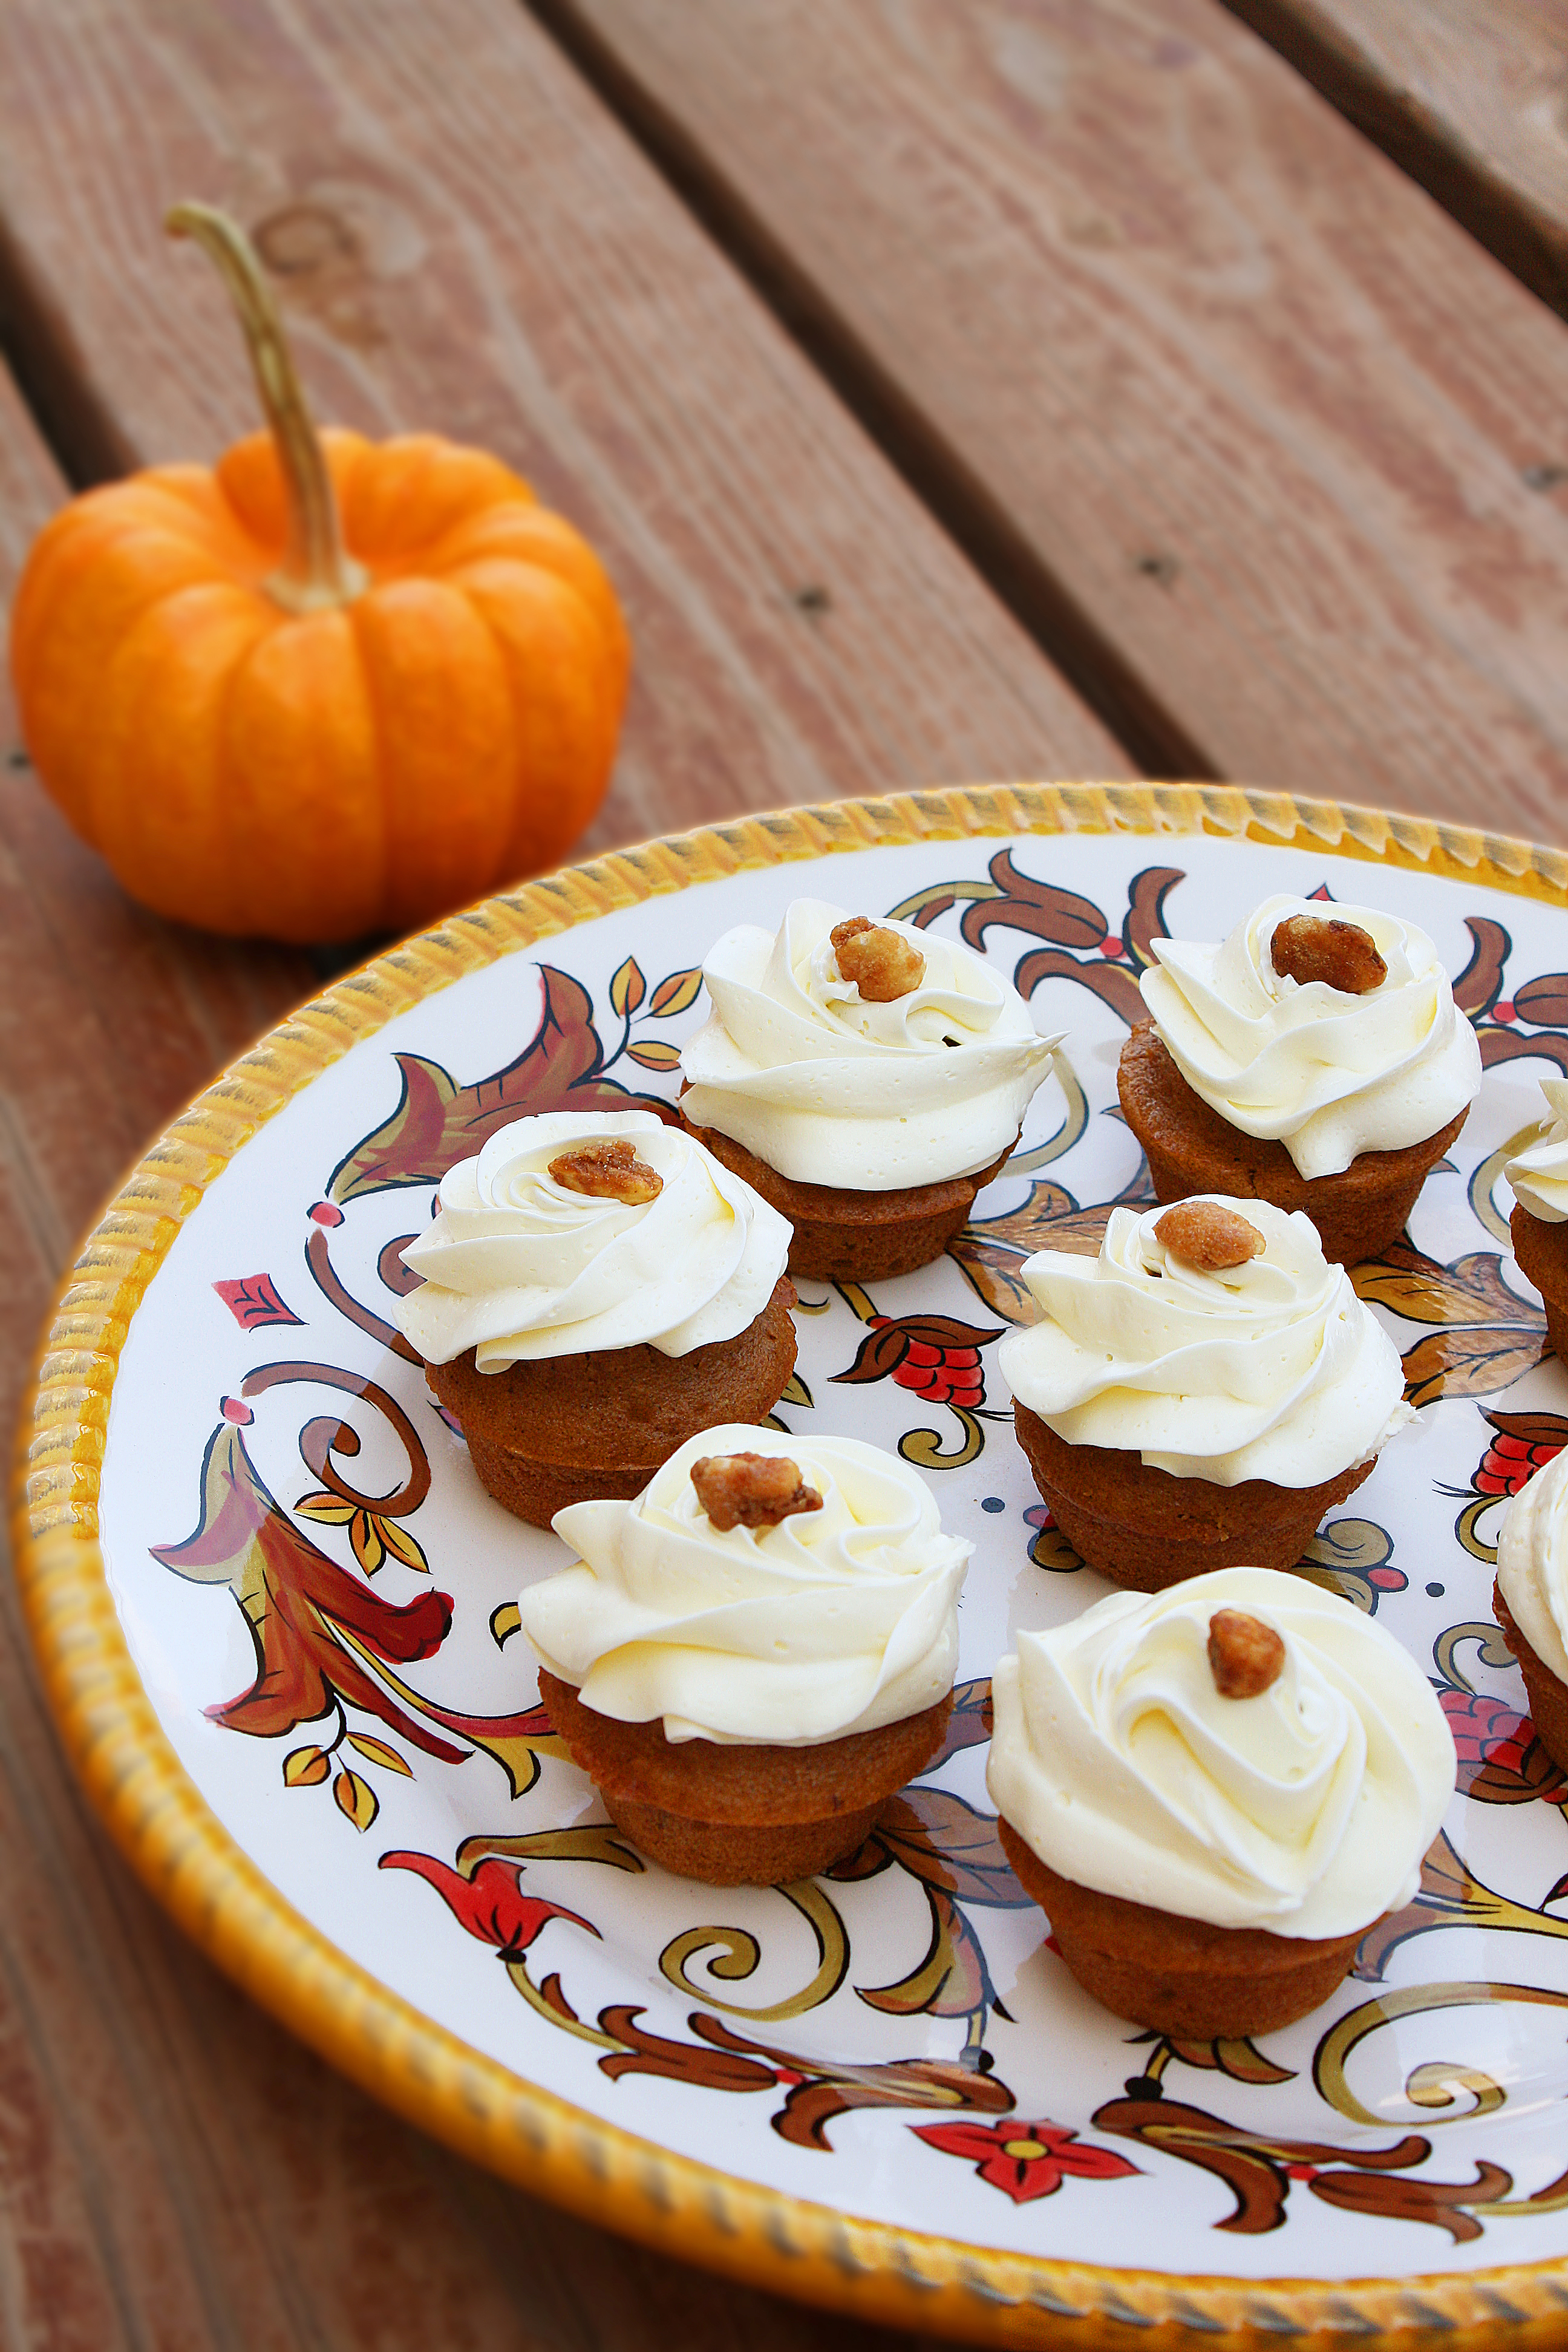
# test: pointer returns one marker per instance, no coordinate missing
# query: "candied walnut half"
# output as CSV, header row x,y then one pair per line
x,y
1313,947
609,1171
1203,1234
880,963
751,1490
1245,1656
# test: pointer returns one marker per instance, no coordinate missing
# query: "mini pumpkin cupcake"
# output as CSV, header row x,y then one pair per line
x,y
1202,1392
751,1658
1214,1792
865,1077
1530,1599
1314,1060
596,1287
1539,1225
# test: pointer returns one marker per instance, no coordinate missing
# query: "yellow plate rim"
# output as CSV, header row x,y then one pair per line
x,y
760,2236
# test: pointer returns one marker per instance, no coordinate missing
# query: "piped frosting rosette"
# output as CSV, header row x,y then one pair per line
x,y
1533,1564
1539,1174
1326,1074
1270,1370
1305,1809
831,1089
518,1266
836,1621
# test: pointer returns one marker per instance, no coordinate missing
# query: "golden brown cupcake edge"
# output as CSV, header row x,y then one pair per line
x,y
1146,1529
842,1235
586,1428
1183,1976
1190,1148
1548,1694
1540,1252
736,1814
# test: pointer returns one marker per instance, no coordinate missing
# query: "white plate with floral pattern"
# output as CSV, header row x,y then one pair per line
x,y
311,1720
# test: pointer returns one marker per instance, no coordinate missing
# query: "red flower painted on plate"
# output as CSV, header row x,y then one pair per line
x,y
1524,1444
1501,1761
1025,2160
934,1356
1485,1730
256,1303
491,1905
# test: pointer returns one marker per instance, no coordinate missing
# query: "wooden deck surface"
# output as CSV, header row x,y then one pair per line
x,y
1265,415
1466,95
1058,388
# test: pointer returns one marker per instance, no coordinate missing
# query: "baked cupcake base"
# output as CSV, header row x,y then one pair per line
x,y
1179,1976
1146,1529
1547,1693
1190,1148
741,1815
847,1237
592,1428
1541,1252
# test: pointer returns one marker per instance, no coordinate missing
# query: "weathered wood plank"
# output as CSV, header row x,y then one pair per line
x,y
466,243
1267,415
1466,97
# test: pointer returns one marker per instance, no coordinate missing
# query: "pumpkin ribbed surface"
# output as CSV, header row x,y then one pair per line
x,y
319,774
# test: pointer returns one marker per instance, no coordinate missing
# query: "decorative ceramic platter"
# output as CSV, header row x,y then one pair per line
x,y
278,1616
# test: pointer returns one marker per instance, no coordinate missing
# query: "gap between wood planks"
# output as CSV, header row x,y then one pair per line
x,y
1435,129
1065,634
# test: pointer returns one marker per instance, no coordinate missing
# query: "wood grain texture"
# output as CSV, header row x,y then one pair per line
x,y
1471,97
465,242
177,2174
1270,417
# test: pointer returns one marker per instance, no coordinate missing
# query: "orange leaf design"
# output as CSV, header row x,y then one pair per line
x,y
401,1545
1474,1361
654,1056
305,1768
628,987
356,1798
677,994
330,1510
365,1535
376,1751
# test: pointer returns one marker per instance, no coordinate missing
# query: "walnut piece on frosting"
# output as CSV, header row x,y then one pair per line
x,y
751,1490
609,1171
1245,1656
1305,947
879,963
1203,1234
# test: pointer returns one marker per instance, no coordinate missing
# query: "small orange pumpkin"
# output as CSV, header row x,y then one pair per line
x,y
330,687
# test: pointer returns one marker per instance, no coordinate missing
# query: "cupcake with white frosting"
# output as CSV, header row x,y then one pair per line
x,y
594,1288
1314,1058
1531,1598
865,1077
754,1654
1539,1225
1215,1793
1200,1393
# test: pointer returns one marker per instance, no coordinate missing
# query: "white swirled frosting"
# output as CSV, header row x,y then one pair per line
x,y
1539,1174
1533,1564
518,1267
1305,1809
834,1621
1327,1074
830,1089
1272,1370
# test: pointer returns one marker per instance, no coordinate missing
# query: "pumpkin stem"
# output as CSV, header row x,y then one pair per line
x,y
316,571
